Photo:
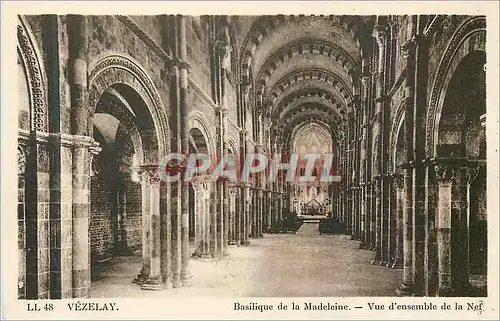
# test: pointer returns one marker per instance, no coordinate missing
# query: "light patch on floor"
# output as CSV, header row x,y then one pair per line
x,y
279,265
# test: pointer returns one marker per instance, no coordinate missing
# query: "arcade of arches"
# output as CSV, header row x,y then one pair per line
x,y
398,100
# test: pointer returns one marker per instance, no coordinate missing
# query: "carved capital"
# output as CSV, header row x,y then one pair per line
x,y
446,173
177,63
150,173
365,79
407,47
398,180
380,34
472,172
21,159
221,110
457,170
94,150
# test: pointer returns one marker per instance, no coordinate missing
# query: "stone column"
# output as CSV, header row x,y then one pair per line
x,y
37,223
152,180
379,132
274,197
386,258
362,217
391,221
356,174
368,216
176,147
352,209
222,187
364,213
246,213
55,225
238,215
175,200
431,208
254,211
398,184
198,224
421,228
407,287
52,146
453,226
373,210
81,155
184,137
378,220
206,214
67,99
261,211
146,240
269,211
81,214
243,197
214,226
21,215
280,207
445,176
165,235
232,215
408,48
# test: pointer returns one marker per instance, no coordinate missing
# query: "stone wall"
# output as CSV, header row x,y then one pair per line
x,y
133,208
108,35
101,233
198,52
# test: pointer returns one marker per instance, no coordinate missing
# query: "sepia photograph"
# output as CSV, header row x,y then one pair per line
x,y
243,156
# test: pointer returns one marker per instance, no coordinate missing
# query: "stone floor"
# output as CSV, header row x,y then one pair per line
x,y
287,265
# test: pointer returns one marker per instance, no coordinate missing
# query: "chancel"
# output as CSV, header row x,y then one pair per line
x,y
393,107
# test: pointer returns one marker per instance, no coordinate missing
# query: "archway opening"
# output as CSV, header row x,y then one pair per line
x,y
198,211
26,190
462,135
125,131
311,196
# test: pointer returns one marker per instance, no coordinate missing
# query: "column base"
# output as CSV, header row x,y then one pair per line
x,y
204,256
397,263
176,281
186,279
455,290
140,278
153,283
405,290
377,260
446,291
167,282
362,246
